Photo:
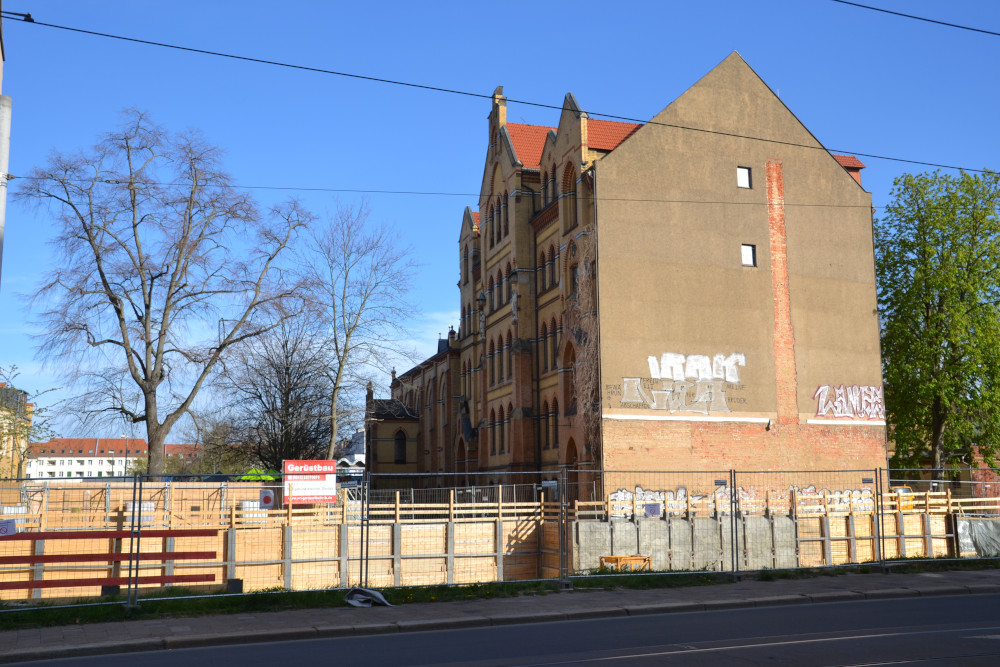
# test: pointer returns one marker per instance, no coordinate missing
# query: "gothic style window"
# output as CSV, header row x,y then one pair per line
x,y
555,423
399,446
493,432
543,348
544,418
501,434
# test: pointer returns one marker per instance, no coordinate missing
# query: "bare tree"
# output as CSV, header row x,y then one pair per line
x,y
164,268
359,280
222,442
278,387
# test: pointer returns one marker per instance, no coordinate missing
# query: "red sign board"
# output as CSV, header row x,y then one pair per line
x,y
310,482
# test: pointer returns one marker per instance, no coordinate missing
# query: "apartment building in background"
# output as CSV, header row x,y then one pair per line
x,y
62,458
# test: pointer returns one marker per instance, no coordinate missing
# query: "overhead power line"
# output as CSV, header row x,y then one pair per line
x,y
653,200
919,18
27,18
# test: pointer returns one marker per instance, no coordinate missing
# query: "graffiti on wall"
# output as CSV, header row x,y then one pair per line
x,y
850,401
684,383
808,500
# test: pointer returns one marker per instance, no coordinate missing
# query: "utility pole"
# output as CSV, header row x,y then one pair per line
x,y
5,109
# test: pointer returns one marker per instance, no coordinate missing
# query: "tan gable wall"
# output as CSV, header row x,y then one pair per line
x,y
671,224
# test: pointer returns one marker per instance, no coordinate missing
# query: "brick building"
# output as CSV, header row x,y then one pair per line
x,y
692,293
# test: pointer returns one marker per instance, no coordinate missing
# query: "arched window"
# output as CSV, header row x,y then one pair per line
x,y
491,355
569,197
510,434
489,225
545,189
500,363
552,266
500,436
540,272
465,264
498,217
508,353
555,423
506,214
444,401
493,432
399,447
543,348
554,343
508,279
431,404
490,290
500,288
571,381
552,183
544,426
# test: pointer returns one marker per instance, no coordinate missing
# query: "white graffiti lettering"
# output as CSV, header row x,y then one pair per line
x,y
677,393
850,401
673,366
808,500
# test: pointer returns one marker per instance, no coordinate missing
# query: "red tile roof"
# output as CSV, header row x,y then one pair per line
x,y
475,217
606,135
848,161
528,141
83,447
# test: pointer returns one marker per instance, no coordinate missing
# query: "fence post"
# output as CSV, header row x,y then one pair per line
x,y
499,548
345,561
38,569
878,525
397,554
734,501
286,556
43,522
563,533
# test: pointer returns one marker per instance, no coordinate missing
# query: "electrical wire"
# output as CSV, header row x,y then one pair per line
x,y
455,194
319,70
918,18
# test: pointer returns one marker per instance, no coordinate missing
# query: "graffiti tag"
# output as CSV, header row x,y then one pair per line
x,y
850,401
689,383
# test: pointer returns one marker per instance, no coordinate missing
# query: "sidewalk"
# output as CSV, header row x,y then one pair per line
x,y
121,637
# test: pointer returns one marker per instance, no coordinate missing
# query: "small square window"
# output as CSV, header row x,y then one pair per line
x,y
749,253
743,177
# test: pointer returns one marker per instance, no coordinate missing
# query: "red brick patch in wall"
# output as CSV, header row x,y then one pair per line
x,y
784,338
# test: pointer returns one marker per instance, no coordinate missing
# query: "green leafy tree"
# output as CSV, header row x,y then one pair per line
x,y
938,268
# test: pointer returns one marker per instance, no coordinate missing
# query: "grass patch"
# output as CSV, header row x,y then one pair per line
x,y
16,616
173,604
601,580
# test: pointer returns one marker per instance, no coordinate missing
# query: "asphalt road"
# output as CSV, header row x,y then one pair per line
x,y
947,630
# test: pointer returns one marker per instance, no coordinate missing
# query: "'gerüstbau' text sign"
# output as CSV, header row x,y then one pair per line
x,y
310,482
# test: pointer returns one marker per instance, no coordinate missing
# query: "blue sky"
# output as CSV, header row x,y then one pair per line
x,y
861,81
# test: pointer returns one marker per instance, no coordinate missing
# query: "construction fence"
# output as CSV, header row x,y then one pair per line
x,y
93,538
